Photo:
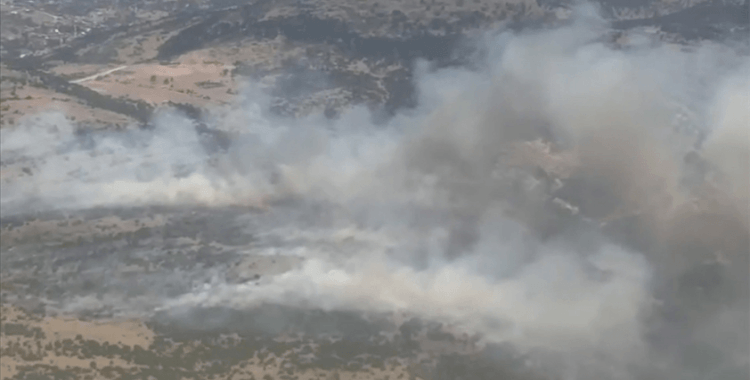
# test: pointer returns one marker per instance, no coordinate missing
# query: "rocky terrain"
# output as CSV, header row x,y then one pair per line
x,y
85,286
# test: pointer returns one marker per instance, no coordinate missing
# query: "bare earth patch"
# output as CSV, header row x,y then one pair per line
x,y
27,100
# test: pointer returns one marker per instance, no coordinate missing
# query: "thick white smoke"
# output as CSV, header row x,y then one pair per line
x,y
435,187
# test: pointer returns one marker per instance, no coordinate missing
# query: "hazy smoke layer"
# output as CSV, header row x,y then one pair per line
x,y
641,159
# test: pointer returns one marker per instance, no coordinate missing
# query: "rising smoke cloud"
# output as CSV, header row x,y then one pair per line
x,y
438,224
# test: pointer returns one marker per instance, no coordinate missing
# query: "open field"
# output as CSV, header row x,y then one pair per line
x,y
367,189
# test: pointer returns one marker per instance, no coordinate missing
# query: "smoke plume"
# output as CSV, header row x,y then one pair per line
x,y
567,197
